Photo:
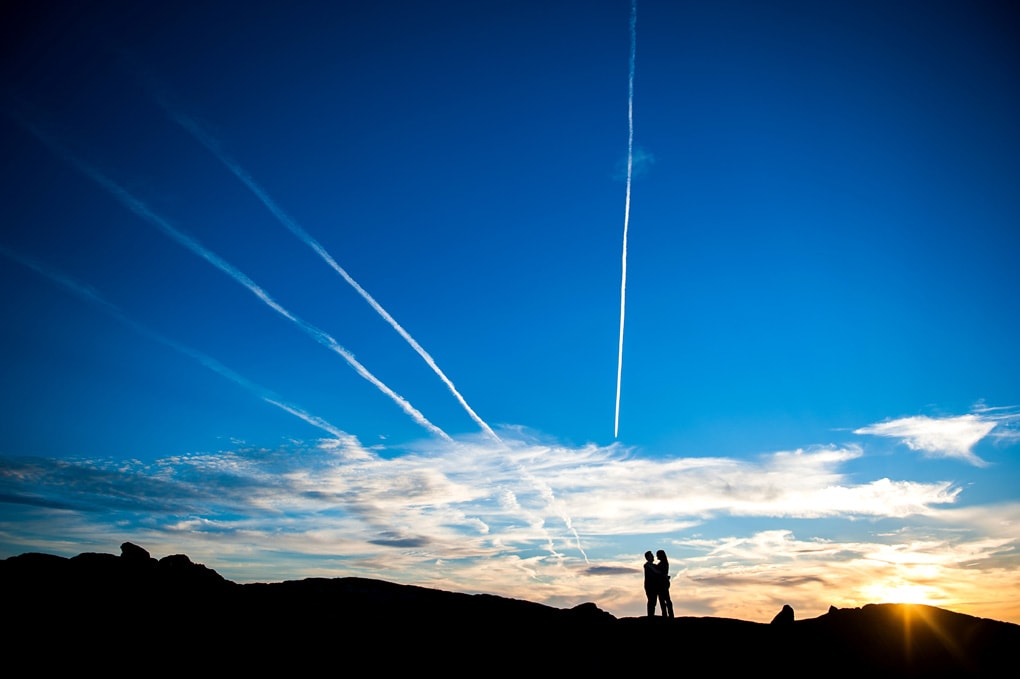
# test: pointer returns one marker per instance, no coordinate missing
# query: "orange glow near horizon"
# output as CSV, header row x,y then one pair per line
x,y
900,592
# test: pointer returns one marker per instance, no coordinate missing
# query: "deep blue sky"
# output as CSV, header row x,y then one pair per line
x,y
822,257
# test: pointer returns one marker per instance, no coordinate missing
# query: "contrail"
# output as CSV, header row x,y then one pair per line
x,y
215,148
143,211
552,503
91,295
626,207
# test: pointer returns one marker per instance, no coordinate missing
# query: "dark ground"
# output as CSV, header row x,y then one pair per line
x,y
132,614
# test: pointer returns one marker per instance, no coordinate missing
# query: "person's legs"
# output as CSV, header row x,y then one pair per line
x,y
651,594
665,603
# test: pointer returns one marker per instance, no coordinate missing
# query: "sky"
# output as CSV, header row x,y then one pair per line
x,y
334,289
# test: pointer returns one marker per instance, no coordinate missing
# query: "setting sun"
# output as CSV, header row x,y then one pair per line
x,y
900,593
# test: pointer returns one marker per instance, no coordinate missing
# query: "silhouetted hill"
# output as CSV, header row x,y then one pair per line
x,y
133,614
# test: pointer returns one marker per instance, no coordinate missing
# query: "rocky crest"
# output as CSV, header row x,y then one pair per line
x,y
134,611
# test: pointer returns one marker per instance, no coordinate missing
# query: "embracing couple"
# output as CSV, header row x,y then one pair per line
x,y
657,583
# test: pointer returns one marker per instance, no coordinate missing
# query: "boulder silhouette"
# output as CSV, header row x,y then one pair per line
x,y
784,616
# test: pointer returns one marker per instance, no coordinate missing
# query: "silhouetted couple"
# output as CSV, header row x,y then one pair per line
x,y
657,583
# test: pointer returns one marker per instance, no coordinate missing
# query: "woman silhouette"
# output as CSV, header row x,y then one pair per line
x,y
664,601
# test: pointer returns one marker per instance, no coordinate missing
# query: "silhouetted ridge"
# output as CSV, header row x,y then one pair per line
x,y
103,611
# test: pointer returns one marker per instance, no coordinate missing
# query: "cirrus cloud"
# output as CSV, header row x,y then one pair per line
x,y
951,437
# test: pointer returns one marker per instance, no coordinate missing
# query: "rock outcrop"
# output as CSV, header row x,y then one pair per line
x,y
784,616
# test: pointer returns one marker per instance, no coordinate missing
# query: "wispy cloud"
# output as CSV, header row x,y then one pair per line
x,y
640,161
950,437
456,513
439,493
1007,422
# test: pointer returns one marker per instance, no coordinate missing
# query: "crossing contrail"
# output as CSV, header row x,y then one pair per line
x,y
138,207
552,503
626,206
141,209
91,295
204,138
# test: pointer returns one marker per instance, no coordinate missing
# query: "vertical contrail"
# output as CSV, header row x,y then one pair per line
x,y
214,147
142,210
626,206
89,294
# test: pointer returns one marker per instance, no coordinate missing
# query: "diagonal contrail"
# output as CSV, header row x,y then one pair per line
x,y
143,211
214,147
90,295
626,207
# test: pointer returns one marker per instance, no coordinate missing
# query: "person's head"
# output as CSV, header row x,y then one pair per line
x,y
648,556
661,554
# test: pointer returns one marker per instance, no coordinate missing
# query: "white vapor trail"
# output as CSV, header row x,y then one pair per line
x,y
89,294
143,211
203,137
626,208
551,502
214,147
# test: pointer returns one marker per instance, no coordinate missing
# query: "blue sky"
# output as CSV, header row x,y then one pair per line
x,y
335,290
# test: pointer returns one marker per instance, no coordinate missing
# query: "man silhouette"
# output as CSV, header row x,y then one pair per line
x,y
653,582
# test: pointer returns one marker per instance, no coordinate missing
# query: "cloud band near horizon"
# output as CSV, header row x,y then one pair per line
x,y
459,516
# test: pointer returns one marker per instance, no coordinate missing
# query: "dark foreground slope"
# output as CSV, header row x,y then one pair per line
x,y
132,614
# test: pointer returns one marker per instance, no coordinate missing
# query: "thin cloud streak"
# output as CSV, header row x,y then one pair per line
x,y
626,208
142,210
204,138
91,295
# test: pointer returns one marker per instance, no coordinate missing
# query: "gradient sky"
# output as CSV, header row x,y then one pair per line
x,y
334,290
